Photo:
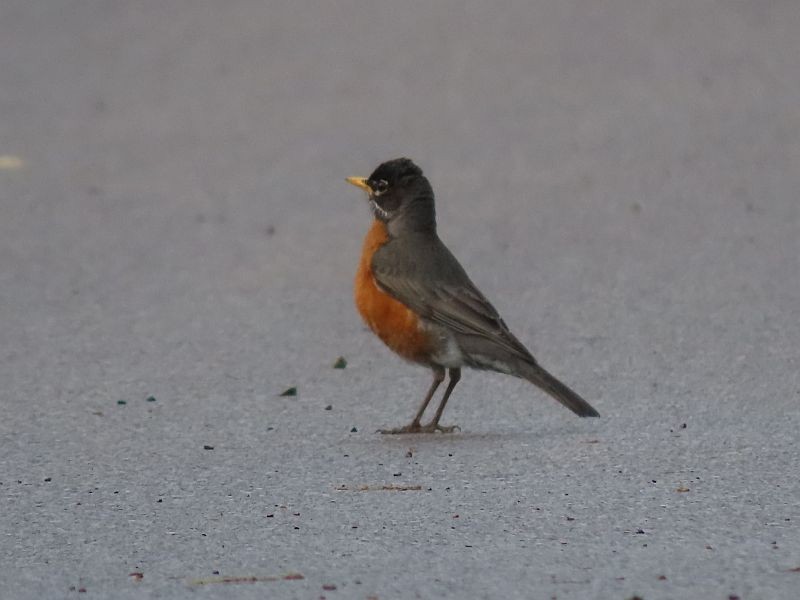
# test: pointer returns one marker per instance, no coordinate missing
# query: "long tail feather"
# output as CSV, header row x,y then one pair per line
x,y
538,376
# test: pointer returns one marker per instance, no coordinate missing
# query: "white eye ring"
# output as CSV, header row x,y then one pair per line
x,y
380,187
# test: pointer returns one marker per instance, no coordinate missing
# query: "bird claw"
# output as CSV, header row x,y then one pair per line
x,y
417,428
445,429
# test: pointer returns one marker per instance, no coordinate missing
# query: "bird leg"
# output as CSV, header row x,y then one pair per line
x,y
455,377
414,426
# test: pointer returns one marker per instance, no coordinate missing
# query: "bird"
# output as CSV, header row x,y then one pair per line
x,y
417,298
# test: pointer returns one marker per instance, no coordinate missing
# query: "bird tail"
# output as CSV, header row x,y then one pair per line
x,y
538,376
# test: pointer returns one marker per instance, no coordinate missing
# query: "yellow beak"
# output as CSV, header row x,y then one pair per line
x,y
359,182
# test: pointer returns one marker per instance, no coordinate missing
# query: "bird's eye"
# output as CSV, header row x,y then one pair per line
x,y
380,187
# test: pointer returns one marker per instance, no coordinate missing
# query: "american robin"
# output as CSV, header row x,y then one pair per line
x,y
416,297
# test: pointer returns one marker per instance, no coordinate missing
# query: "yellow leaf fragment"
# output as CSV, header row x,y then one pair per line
x,y
9,162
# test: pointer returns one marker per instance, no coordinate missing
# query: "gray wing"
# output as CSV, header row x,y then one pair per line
x,y
434,285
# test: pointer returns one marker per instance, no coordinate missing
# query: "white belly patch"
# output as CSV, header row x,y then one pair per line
x,y
492,364
447,354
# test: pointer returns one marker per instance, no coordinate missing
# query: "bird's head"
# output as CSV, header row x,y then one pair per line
x,y
399,195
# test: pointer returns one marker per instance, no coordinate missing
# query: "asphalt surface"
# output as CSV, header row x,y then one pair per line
x,y
621,178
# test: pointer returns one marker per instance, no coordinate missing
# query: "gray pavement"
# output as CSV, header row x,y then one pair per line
x,y
622,178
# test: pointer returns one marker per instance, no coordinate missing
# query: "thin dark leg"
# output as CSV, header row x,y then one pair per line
x,y
414,426
438,378
455,377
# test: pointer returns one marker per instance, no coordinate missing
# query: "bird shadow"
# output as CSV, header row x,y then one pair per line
x,y
465,437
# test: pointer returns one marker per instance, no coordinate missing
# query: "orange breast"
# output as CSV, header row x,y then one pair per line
x,y
391,320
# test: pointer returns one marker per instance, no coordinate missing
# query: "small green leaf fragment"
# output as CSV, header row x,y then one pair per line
x,y
150,399
340,363
122,402
292,391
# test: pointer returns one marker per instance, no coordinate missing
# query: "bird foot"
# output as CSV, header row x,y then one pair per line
x,y
443,428
417,428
